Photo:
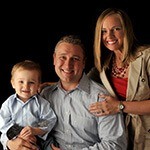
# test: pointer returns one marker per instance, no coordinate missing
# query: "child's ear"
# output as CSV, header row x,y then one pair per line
x,y
12,83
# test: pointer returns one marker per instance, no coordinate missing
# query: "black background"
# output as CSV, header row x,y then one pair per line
x,y
30,30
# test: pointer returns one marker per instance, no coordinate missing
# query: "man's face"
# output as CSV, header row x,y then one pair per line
x,y
69,62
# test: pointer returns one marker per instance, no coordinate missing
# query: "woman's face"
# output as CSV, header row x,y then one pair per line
x,y
112,33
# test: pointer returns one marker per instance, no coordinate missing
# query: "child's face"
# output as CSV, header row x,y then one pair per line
x,y
25,83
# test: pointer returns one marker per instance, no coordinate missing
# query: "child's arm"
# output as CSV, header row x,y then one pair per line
x,y
28,130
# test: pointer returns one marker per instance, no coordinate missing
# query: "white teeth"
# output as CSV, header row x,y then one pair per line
x,y
112,42
66,71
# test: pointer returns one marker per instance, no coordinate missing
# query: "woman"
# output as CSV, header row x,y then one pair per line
x,y
124,69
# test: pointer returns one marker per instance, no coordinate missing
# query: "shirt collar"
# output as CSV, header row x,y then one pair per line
x,y
84,84
31,98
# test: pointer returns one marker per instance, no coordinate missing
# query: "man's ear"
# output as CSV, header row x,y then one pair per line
x,y
54,55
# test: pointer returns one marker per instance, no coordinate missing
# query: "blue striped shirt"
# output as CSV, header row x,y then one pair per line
x,y
77,128
36,112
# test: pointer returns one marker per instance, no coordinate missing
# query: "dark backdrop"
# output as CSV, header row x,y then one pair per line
x,y
31,30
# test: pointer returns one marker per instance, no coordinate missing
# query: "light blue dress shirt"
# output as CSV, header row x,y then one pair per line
x,y
77,128
36,112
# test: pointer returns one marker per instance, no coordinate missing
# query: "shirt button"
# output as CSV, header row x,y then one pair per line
x,y
67,112
143,80
67,131
69,146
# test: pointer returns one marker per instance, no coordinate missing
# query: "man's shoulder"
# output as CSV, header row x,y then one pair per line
x,y
97,86
48,89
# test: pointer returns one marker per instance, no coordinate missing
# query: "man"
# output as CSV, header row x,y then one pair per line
x,y
76,128
70,98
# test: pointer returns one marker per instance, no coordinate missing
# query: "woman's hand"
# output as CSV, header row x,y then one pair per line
x,y
106,107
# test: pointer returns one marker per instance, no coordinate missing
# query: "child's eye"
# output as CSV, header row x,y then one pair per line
x,y
31,82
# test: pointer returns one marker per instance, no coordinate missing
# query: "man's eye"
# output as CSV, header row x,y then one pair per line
x,y
76,59
62,58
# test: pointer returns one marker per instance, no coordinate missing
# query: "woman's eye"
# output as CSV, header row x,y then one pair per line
x,y
104,31
117,28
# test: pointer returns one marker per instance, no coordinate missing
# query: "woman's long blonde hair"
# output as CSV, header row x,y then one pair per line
x,y
102,55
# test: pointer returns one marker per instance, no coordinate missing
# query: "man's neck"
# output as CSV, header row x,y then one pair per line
x,y
69,86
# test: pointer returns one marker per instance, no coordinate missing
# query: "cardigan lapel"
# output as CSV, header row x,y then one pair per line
x,y
133,78
106,83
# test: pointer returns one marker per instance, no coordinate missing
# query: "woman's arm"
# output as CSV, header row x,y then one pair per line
x,y
111,106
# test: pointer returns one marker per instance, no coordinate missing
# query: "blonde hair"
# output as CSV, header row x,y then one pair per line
x,y
129,47
27,65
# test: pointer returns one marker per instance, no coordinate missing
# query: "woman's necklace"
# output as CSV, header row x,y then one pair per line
x,y
119,72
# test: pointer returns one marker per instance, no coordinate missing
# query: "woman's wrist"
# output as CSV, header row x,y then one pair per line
x,y
121,106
